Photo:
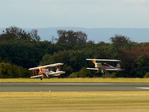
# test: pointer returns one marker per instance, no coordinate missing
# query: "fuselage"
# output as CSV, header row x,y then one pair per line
x,y
49,72
104,66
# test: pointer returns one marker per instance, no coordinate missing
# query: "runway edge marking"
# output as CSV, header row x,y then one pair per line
x,y
142,87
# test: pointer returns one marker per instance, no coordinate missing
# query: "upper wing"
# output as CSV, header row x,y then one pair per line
x,y
50,65
111,60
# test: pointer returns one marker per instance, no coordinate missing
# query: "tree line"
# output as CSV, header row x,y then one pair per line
x,y
20,50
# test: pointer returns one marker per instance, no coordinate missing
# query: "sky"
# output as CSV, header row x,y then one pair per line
x,y
74,13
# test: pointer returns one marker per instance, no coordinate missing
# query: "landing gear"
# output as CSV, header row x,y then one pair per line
x,y
40,78
103,72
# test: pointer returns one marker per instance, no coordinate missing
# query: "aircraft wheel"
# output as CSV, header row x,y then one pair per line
x,y
104,73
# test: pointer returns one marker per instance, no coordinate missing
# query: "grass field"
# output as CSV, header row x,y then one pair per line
x,y
74,101
127,101
93,80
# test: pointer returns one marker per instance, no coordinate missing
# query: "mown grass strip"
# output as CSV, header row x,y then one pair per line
x,y
80,80
74,101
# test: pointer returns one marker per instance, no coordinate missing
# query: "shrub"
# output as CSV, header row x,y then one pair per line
x,y
110,75
84,73
13,71
146,75
74,75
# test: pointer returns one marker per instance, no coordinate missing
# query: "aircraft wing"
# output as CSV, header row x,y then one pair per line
x,y
58,72
92,68
50,65
114,69
36,76
105,60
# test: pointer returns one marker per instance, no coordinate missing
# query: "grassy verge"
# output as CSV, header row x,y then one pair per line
x,y
85,80
74,101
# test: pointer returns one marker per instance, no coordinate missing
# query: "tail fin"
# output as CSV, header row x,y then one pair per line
x,y
118,66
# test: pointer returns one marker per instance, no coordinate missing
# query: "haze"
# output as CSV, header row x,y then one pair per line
x,y
74,13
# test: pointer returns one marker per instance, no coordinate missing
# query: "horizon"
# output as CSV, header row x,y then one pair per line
x,y
95,34
77,27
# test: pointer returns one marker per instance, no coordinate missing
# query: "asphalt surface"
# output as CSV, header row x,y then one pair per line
x,y
28,87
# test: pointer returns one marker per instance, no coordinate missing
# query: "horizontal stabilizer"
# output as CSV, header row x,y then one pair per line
x,y
36,76
114,69
92,68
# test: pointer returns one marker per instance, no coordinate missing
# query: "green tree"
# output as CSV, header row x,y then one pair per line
x,y
142,65
47,59
146,75
34,35
1,60
8,36
74,75
119,40
71,37
15,32
13,71
84,73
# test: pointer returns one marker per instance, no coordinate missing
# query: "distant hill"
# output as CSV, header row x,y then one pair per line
x,y
96,34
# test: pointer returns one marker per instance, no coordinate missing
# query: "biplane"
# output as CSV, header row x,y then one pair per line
x,y
44,71
102,66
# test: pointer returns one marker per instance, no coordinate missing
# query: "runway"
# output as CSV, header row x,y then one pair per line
x,y
28,87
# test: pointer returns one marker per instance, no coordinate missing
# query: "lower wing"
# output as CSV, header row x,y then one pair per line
x,y
36,76
114,69
56,73
92,68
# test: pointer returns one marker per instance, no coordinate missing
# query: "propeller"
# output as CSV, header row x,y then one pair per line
x,y
40,71
94,61
96,65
